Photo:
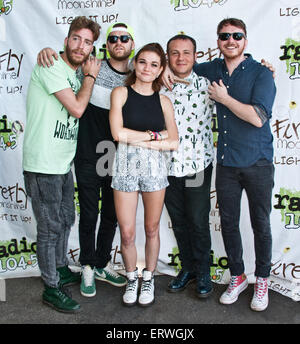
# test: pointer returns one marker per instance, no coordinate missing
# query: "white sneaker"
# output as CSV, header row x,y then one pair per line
x,y
87,285
130,296
236,286
146,297
260,298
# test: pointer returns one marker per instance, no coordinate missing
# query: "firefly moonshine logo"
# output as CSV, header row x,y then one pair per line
x,y
180,5
5,6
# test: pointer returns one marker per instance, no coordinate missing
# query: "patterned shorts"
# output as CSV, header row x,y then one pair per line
x,y
139,169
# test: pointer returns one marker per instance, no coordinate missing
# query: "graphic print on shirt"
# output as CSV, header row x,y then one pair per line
x,y
67,130
193,113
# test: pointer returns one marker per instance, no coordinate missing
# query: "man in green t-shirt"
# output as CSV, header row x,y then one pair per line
x,y
55,102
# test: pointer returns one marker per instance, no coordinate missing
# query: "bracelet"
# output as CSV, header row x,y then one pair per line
x,y
151,134
160,136
90,75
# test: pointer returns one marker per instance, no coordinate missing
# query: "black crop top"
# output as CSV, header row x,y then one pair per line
x,y
143,112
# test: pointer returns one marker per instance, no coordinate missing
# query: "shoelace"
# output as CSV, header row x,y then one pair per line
x,y
88,275
233,283
146,286
62,295
110,271
131,285
260,288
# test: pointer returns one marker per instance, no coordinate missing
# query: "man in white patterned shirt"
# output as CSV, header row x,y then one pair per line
x,y
190,168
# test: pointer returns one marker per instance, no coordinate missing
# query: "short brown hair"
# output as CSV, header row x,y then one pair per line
x,y
156,48
234,22
83,22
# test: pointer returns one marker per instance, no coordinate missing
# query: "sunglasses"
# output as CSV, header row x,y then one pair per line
x,y
114,39
237,36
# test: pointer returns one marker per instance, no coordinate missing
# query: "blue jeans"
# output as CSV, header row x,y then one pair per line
x,y
258,182
52,199
188,208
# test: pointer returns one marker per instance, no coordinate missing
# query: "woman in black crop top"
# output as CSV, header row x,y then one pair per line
x,y
142,121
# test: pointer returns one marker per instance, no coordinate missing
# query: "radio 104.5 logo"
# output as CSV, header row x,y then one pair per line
x,y
5,6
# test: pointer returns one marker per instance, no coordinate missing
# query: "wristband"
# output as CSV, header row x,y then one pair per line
x,y
151,134
90,75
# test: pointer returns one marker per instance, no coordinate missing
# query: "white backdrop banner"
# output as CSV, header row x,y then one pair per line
x,y
26,26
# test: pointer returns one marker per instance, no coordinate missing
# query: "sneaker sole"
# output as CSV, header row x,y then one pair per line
x,y
110,282
229,302
61,310
127,304
170,290
146,304
87,295
204,296
259,309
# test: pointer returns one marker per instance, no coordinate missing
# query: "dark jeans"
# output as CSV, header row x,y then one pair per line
x,y
95,252
52,198
258,182
189,207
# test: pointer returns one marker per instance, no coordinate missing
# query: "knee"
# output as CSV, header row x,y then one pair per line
x,y
127,236
151,230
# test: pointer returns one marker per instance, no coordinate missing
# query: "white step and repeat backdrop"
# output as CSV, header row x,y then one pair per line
x,y
26,26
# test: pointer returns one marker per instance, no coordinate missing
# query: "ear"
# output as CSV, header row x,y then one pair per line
x,y
195,57
66,41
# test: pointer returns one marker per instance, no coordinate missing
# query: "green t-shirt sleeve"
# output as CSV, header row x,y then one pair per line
x,y
54,78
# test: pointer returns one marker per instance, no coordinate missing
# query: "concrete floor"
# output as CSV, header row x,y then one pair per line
x,y
23,306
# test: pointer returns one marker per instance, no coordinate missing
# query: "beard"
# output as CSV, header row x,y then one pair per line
x,y
239,51
75,61
122,57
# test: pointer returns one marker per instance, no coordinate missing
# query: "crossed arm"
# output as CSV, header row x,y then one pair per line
x,y
169,139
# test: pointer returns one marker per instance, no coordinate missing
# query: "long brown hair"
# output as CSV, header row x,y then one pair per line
x,y
156,48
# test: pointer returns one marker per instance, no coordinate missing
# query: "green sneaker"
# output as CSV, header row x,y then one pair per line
x,y
109,275
87,286
67,276
57,299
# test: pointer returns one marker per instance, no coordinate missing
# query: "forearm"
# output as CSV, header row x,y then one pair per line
x,y
246,112
129,136
83,96
164,145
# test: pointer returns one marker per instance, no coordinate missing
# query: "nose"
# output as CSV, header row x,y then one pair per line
x,y
147,66
81,43
180,56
